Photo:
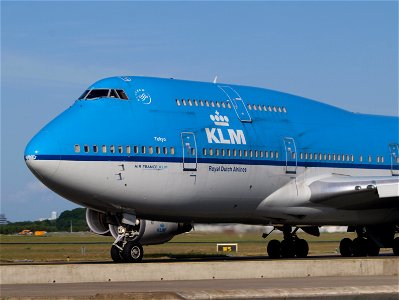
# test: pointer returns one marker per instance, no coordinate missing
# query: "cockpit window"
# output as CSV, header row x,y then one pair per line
x,y
104,93
122,94
113,94
98,93
84,94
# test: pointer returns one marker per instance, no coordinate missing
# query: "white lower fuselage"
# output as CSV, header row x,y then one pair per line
x,y
214,193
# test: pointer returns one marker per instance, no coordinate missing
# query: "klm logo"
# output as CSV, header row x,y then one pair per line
x,y
222,135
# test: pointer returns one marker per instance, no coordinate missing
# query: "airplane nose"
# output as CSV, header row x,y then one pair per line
x,y
42,155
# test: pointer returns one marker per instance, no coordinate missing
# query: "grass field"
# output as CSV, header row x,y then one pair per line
x,y
75,247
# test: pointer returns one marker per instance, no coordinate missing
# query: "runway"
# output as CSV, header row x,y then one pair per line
x,y
207,279
307,288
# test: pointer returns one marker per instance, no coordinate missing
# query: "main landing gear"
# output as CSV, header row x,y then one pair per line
x,y
369,240
290,246
125,249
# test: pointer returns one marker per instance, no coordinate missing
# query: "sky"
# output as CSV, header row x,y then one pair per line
x,y
343,53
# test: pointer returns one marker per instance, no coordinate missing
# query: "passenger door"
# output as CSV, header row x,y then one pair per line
x,y
189,145
291,160
394,149
237,102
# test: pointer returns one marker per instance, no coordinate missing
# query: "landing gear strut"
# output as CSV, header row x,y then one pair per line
x,y
125,249
291,246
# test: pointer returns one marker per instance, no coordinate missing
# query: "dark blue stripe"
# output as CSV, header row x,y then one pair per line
x,y
210,160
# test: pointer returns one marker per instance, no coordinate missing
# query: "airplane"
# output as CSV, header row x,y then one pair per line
x,y
149,157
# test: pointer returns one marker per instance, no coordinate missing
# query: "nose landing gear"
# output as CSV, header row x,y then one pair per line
x,y
125,249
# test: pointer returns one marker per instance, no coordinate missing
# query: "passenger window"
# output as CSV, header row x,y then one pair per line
x,y
279,109
172,150
217,104
86,148
261,153
77,148
361,158
284,110
329,156
195,103
256,153
276,154
136,149
104,148
274,109
184,102
165,150
204,151
228,152
150,150
128,149
217,152
266,154
240,153
122,94
370,158
210,151
255,108
264,108
95,148
190,102
334,157
271,154
120,149
158,150
212,104
245,153
251,153
207,103
223,105
228,105
234,152
310,156
112,149
178,102
223,152
201,103
143,149
382,159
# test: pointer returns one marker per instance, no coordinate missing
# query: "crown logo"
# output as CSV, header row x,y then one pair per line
x,y
219,119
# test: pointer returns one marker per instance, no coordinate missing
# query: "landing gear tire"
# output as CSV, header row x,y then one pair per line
x,y
395,246
301,248
346,247
274,249
287,248
359,247
133,252
372,248
116,254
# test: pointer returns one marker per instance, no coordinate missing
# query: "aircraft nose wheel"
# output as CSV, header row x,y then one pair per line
x,y
132,252
116,253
